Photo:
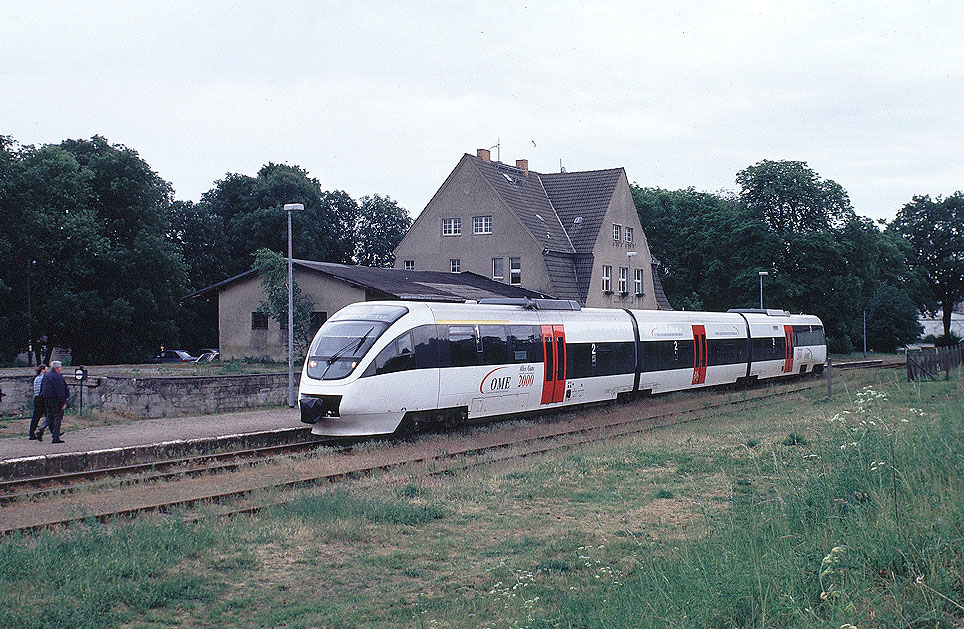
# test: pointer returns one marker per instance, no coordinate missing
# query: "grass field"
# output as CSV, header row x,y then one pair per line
x,y
808,513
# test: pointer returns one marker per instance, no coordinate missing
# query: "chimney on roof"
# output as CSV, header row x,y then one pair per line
x,y
523,165
484,154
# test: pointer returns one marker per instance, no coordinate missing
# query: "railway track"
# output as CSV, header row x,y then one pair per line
x,y
555,437
37,487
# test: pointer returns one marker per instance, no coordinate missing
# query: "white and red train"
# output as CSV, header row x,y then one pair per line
x,y
374,365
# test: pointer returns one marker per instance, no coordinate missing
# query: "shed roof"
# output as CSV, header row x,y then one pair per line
x,y
401,284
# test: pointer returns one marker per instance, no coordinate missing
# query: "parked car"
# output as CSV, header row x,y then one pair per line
x,y
209,356
173,356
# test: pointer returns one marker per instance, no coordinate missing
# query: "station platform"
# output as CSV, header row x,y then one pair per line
x,y
148,439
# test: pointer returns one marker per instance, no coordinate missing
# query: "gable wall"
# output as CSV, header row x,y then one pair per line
x,y
238,300
466,194
622,211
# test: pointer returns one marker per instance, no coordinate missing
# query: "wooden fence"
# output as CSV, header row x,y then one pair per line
x,y
934,365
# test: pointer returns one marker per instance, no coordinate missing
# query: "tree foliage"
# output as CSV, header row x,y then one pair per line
x,y
790,197
380,227
891,320
820,257
251,210
934,229
87,226
272,271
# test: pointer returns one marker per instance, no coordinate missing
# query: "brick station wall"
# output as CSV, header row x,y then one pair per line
x,y
159,396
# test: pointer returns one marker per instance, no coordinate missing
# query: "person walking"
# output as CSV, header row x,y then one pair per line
x,y
53,389
39,406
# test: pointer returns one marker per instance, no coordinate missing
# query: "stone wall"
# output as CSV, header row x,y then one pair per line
x,y
158,396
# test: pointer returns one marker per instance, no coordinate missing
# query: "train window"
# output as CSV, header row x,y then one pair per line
x,y
809,335
547,341
427,347
525,345
494,344
624,359
561,360
399,355
769,348
462,346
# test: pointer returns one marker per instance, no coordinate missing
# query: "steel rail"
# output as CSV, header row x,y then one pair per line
x,y
364,470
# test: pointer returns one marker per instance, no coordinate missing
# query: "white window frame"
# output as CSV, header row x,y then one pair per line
x,y
451,226
481,224
629,234
515,271
409,265
455,264
500,276
617,232
607,278
638,281
623,279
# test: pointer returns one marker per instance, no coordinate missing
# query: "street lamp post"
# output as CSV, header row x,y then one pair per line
x,y
289,208
762,275
629,256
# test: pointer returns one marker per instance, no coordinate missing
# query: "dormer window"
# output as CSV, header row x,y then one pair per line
x,y
629,234
617,233
451,226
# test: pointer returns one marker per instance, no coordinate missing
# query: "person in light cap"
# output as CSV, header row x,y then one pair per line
x,y
53,389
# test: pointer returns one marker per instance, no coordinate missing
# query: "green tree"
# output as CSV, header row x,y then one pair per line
x,y
251,209
935,231
130,306
790,197
380,227
709,247
272,271
891,320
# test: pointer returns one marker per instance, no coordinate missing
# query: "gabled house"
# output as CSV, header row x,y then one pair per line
x,y
574,235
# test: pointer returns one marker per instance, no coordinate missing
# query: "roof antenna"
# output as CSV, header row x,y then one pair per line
x,y
498,149
562,168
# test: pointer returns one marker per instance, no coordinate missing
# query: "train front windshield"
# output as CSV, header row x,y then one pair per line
x,y
345,339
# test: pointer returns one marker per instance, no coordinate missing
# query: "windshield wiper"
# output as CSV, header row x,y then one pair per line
x,y
338,354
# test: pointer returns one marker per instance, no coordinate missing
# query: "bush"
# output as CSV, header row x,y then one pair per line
x,y
891,320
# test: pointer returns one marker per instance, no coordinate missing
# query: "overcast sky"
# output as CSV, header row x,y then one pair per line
x,y
386,97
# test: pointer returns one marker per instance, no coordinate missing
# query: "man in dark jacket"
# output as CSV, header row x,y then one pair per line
x,y
53,389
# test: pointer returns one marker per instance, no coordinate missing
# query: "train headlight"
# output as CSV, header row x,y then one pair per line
x,y
312,363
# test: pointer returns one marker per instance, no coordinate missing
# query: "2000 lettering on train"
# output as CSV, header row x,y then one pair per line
x,y
374,365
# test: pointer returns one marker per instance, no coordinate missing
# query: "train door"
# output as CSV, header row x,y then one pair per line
x,y
554,346
699,354
788,360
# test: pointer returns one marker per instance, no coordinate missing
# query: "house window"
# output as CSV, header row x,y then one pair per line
x,y
259,321
617,233
455,264
409,265
623,280
317,320
482,224
638,281
515,271
607,278
629,234
498,271
451,226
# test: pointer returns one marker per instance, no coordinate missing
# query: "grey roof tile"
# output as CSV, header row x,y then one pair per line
x,y
586,195
527,198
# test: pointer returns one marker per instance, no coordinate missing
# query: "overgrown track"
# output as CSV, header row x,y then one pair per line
x,y
450,461
167,469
